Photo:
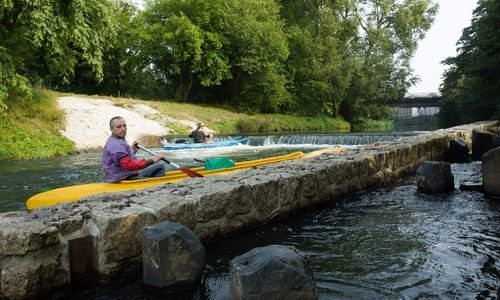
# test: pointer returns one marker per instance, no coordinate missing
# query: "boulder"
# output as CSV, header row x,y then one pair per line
x,y
482,141
458,152
173,257
496,142
434,177
272,272
491,171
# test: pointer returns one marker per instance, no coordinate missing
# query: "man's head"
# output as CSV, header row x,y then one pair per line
x,y
118,127
200,124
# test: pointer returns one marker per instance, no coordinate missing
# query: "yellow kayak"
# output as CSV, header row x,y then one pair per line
x,y
75,192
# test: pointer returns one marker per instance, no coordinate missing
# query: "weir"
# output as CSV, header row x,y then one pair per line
x,y
351,139
98,238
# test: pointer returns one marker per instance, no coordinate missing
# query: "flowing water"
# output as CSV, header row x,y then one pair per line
x,y
386,243
20,180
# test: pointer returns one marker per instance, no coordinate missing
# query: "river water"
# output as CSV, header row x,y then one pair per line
x,y
386,243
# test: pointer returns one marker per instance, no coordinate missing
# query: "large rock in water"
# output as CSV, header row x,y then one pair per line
x,y
173,257
434,177
491,171
482,141
458,152
272,272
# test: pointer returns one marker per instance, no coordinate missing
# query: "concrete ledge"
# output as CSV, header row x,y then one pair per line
x,y
34,246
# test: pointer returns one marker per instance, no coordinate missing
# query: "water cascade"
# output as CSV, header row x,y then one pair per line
x,y
351,139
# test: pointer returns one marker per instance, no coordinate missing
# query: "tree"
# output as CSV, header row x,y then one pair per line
x,y
351,57
319,37
182,40
61,31
257,51
388,37
471,86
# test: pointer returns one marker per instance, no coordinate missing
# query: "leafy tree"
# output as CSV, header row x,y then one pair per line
x,y
183,42
388,37
257,51
320,33
471,86
351,57
62,32
125,73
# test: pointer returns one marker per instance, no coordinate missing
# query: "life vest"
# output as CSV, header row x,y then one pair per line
x,y
199,136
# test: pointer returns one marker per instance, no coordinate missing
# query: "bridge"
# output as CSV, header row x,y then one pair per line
x,y
424,101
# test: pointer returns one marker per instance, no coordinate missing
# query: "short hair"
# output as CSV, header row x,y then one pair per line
x,y
112,119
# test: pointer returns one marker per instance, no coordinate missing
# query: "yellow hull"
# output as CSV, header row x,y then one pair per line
x,y
75,192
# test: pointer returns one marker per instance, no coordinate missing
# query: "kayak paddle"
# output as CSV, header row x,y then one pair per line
x,y
189,172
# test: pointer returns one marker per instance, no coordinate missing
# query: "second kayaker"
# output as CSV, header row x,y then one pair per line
x,y
200,135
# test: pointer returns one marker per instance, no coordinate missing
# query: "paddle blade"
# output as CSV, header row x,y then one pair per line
x,y
190,172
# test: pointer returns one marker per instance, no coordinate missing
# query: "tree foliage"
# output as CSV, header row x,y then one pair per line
x,y
183,41
345,58
351,57
57,33
257,51
471,86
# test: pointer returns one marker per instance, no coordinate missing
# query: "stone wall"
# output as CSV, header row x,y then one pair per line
x,y
39,251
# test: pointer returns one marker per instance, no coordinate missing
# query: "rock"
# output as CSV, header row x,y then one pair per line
x,y
458,152
491,171
471,186
173,257
272,272
482,141
496,142
83,257
434,177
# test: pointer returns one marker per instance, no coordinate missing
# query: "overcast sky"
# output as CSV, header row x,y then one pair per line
x,y
438,44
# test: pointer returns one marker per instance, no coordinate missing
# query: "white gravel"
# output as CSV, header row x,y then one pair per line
x,y
87,121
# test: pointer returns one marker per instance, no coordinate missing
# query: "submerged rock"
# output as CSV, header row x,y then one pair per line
x,y
482,141
272,272
173,257
458,152
434,177
491,171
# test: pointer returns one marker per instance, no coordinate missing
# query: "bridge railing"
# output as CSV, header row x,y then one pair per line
x,y
418,102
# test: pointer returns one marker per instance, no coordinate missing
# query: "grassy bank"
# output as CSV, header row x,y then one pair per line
x,y
226,120
30,128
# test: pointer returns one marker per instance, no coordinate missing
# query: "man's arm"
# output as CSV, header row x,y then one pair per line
x,y
134,165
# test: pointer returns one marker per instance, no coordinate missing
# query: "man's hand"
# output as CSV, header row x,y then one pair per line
x,y
134,146
158,157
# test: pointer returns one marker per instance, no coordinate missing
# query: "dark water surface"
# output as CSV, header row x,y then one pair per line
x,y
386,243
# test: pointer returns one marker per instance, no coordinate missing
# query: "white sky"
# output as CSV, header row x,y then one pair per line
x,y
440,43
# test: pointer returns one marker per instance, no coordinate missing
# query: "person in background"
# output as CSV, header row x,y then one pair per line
x,y
200,135
119,161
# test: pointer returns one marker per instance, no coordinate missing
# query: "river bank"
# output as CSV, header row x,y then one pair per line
x,y
54,124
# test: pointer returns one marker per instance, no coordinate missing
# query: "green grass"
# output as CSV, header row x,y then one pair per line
x,y
29,128
368,125
226,120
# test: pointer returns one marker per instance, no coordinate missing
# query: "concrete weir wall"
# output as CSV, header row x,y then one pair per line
x,y
98,238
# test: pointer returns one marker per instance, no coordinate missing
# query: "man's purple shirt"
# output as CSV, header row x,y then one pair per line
x,y
114,151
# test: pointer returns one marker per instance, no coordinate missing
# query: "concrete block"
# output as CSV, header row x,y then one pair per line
x,y
272,272
491,171
173,257
434,177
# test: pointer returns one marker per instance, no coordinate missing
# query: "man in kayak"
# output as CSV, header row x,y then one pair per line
x,y
200,135
119,161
